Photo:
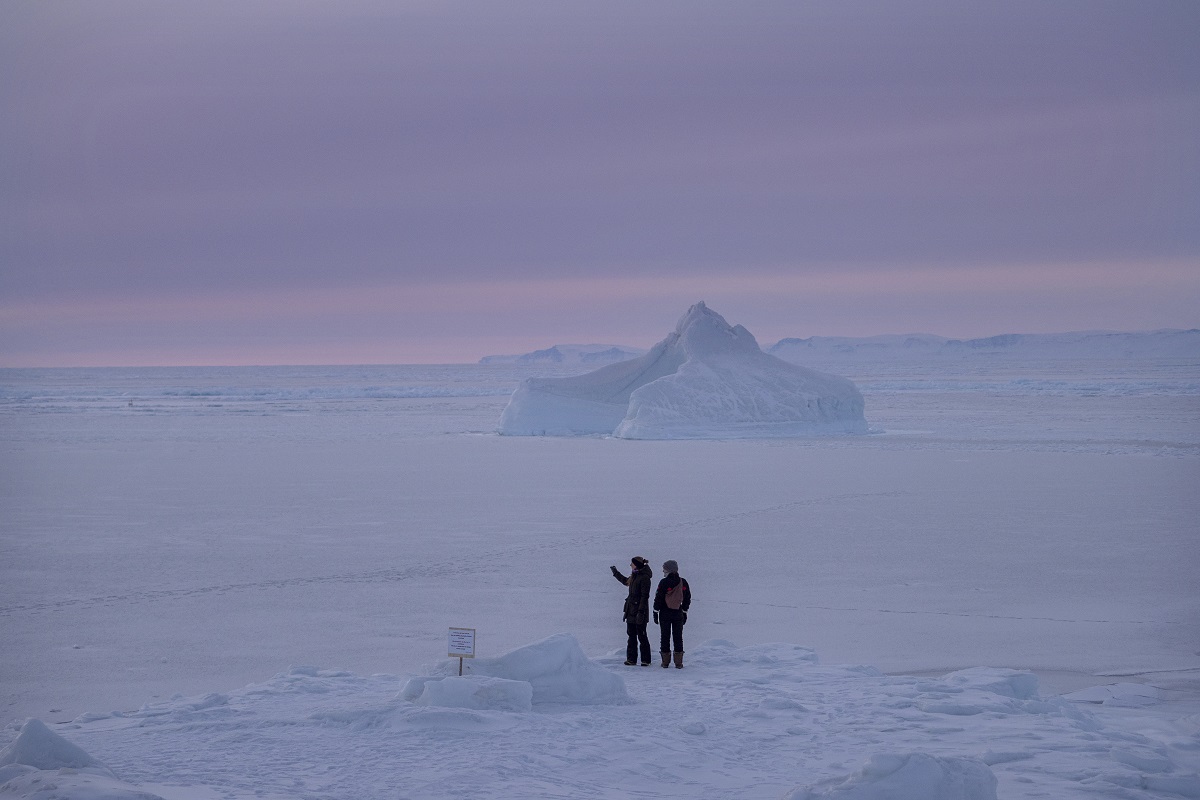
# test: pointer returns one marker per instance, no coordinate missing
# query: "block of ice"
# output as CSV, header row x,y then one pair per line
x,y
557,669
39,747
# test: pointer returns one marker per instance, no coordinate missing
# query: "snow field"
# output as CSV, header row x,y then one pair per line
x,y
197,543
762,721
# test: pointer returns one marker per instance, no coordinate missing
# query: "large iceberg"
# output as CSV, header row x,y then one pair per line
x,y
705,380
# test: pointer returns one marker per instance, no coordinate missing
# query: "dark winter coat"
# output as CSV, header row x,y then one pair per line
x,y
637,603
660,597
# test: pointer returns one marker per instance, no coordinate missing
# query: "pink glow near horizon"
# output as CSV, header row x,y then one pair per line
x,y
459,323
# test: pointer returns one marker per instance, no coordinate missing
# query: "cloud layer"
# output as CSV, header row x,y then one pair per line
x,y
298,158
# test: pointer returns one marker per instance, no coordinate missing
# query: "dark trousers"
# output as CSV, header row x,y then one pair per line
x,y
637,635
671,630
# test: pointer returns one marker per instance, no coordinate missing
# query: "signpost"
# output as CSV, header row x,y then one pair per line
x,y
462,645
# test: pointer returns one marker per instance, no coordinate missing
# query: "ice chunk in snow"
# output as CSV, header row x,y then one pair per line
x,y
915,776
39,747
555,667
705,380
1021,684
41,765
1118,694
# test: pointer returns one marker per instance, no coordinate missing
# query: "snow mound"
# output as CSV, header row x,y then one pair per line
x,y
35,784
915,776
41,748
476,692
556,669
705,380
41,765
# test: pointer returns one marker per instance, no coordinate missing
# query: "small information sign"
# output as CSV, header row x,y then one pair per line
x,y
462,643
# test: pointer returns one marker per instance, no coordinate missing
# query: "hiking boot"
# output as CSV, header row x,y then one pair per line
x,y
666,654
631,663
678,661
645,663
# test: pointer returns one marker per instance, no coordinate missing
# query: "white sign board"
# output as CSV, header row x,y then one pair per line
x,y
462,643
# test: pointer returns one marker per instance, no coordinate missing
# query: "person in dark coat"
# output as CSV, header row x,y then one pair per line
x,y
671,603
637,609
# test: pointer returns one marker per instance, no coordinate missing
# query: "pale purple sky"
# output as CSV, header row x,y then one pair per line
x,y
401,182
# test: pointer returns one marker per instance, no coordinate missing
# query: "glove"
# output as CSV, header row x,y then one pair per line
x,y
684,617
655,617
616,572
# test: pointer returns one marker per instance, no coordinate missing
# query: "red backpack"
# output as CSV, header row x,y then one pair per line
x,y
674,596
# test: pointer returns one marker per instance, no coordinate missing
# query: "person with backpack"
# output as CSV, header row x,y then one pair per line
x,y
637,609
671,603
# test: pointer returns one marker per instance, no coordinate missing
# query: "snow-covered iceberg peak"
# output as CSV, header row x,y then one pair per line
x,y
706,379
704,333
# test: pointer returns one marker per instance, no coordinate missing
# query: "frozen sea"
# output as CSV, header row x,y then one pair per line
x,y
217,580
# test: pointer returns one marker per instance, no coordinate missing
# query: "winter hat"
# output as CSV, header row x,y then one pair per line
x,y
670,566
638,561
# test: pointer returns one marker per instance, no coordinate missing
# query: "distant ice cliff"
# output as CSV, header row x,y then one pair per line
x,y
570,354
1026,347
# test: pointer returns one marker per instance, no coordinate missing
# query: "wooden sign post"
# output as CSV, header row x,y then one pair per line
x,y
462,645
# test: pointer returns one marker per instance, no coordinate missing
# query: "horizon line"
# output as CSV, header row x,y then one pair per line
x,y
479,361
